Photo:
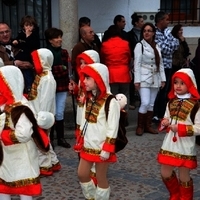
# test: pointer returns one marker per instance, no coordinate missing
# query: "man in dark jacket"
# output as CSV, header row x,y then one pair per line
x,y
86,43
120,22
7,52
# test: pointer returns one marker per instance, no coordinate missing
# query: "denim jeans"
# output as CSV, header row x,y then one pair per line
x,y
61,98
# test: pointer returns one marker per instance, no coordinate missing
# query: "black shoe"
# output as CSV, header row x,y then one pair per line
x,y
63,143
156,120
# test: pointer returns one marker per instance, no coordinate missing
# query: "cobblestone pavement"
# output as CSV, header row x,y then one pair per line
x,y
136,175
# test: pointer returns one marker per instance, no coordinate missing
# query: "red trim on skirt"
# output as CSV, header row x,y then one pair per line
x,y
96,158
30,190
177,162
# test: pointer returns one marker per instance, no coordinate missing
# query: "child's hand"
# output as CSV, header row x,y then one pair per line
x,y
137,86
28,30
15,42
165,122
81,98
104,155
71,86
174,127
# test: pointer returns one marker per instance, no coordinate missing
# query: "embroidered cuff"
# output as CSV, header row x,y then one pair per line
x,y
8,137
44,137
185,130
108,147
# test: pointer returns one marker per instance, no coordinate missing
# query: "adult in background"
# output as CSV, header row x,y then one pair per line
x,y
53,38
85,21
115,54
149,76
86,43
7,51
135,33
196,70
180,56
134,38
120,22
168,44
27,41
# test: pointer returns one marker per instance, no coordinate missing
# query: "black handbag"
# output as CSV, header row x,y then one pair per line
x,y
121,140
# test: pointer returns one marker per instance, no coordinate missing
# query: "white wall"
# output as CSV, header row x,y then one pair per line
x,y
102,13
55,13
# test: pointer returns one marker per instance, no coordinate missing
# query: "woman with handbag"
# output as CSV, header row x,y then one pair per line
x,y
149,76
98,133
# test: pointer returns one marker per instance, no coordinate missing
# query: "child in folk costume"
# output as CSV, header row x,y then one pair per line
x,y
98,133
178,148
86,57
19,134
42,98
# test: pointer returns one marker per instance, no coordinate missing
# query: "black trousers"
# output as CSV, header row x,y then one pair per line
x,y
162,99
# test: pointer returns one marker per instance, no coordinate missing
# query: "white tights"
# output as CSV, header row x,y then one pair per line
x,y
5,197
25,197
8,197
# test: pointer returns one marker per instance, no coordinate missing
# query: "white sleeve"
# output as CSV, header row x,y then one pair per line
x,y
137,62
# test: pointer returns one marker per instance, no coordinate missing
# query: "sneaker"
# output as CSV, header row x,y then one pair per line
x,y
155,119
63,143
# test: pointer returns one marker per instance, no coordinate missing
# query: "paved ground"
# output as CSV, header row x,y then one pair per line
x,y
135,176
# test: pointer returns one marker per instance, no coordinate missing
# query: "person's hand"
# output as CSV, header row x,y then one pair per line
x,y
71,86
15,42
174,127
137,86
23,64
104,155
28,30
162,85
165,122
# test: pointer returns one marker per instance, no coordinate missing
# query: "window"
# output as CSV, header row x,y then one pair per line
x,y
11,12
181,10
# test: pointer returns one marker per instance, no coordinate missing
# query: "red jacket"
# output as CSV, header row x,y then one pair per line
x,y
115,54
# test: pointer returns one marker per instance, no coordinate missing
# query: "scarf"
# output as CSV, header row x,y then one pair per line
x,y
56,53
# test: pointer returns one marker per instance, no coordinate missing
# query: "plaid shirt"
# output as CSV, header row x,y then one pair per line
x,y
168,44
60,73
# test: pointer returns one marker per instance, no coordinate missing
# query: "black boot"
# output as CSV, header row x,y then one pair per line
x,y
60,134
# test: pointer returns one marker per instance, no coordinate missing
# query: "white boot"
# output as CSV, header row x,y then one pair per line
x,y
5,197
88,189
25,197
102,193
